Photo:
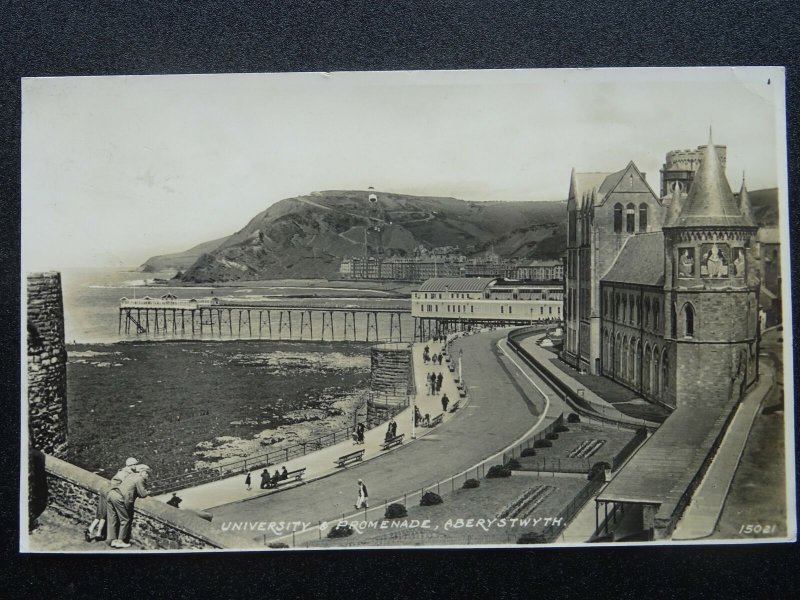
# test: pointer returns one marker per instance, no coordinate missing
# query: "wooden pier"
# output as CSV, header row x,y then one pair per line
x,y
170,315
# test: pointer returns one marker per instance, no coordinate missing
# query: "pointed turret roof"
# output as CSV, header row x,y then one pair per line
x,y
710,202
676,202
745,207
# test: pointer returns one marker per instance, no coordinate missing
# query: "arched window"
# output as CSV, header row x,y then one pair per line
x,y
647,312
631,354
617,354
655,315
688,321
637,360
617,311
617,218
631,307
606,349
646,369
643,217
664,372
623,371
630,218
656,372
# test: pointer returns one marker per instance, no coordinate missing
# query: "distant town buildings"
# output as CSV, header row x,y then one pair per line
x,y
448,262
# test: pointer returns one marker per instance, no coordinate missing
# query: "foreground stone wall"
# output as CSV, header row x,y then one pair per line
x,y
47,364
73,493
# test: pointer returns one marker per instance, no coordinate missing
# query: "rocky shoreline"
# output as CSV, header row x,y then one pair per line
x,y
181,406
333,411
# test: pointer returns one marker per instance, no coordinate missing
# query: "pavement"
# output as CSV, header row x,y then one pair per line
x,y
505,406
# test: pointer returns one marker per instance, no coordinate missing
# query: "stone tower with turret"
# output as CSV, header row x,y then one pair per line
x,y
680,167
712,322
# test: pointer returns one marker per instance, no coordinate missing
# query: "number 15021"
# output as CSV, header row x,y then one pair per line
x,y
758,529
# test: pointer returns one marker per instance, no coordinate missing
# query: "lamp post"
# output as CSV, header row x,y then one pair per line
x,y
460,354
414,421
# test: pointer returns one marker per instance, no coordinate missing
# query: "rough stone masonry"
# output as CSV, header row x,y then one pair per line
x,y
47,365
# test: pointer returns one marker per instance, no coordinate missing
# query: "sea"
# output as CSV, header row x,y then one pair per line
x,y
92,296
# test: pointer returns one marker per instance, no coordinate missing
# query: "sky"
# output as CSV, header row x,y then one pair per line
x,y
118,169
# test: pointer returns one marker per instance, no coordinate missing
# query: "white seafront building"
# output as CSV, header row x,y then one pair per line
x,y
451,303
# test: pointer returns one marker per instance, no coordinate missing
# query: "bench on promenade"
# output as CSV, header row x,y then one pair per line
x,y
452,367
395,441
454,408
437,420
352,457
462,392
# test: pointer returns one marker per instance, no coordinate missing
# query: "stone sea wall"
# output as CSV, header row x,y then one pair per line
x,y
47,364
73,493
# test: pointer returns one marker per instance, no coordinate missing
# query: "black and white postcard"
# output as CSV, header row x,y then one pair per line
x,y
282,312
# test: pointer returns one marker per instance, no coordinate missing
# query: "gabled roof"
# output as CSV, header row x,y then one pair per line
x,y
456,284
640,261
610,182
584,183
710,202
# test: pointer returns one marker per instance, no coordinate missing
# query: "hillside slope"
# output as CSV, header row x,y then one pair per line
x,y
180,260
307,236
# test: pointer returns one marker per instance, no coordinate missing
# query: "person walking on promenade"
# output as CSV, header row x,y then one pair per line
x,y
417,415
393,427
439,382
361,501
121,503
360,432
247,481
264,479
95,530
445,402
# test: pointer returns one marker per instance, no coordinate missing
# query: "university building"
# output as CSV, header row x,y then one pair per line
x,y
661,293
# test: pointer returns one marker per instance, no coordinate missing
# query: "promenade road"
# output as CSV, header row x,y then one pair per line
x,y
503,406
